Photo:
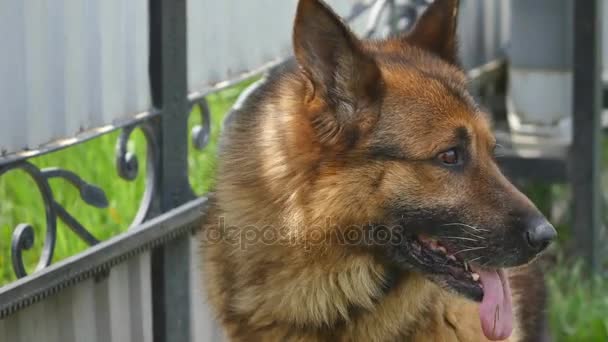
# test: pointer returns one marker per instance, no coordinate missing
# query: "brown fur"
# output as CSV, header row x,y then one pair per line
x,y
321,149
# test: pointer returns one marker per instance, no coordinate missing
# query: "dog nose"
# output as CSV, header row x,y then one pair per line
x,y
540,233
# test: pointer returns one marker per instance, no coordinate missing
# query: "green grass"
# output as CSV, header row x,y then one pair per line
x,y
578,309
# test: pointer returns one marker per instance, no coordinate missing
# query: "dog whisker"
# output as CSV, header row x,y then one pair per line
x,y
466,225
470,249
474,259
459,238
475,235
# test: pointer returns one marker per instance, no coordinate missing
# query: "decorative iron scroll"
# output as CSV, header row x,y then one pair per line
x,y
24,235
202,133
127,166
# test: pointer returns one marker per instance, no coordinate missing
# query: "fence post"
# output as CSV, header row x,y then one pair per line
x,y
586,147
168,72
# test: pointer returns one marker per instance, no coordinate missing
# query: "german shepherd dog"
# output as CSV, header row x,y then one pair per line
x,y
358,199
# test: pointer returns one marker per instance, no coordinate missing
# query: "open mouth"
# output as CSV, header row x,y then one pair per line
x,y
489,287
456,272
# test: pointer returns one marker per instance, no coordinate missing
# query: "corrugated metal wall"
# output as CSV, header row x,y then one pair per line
x,y
74,65
203,324
116,308
484,31
68,66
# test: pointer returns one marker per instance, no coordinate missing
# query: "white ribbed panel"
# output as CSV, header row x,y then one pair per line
x,y
228,38
68,66
113,309
204,326
483,30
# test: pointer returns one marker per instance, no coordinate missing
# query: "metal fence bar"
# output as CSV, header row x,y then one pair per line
x,y
168,71
586,147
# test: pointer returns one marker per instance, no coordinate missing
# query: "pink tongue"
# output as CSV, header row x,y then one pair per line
x,y
495,310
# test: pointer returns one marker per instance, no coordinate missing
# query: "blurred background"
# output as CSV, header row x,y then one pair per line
x,y
76,77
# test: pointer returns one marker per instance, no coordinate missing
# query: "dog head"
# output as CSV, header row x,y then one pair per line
x,y
403,145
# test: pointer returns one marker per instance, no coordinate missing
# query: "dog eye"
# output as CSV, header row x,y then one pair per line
x,y
450,157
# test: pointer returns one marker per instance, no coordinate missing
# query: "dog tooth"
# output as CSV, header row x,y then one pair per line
x,y
475,276
451,257
442,249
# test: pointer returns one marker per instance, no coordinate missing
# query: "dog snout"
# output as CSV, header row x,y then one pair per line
x,y
539,233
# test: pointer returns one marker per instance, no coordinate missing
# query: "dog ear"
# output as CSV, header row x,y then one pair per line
x,y
435,30
332,57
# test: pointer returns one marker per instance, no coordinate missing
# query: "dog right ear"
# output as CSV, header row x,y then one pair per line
x,y
332,57
435,30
